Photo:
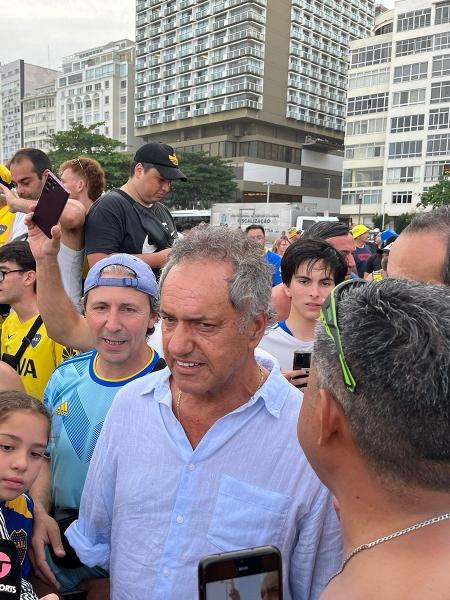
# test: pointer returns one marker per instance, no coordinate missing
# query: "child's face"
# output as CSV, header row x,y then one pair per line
x,y
23,439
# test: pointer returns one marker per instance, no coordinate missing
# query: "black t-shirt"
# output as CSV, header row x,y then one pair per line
x,y
115,223
373,263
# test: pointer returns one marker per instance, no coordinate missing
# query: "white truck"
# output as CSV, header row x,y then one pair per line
x,y
276,217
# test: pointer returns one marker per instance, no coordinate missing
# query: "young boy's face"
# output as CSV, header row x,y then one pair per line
x,y
308,289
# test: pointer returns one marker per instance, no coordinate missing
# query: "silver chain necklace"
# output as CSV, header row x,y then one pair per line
x,y
389,537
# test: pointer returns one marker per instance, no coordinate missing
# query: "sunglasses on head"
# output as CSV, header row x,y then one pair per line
x,y
328,316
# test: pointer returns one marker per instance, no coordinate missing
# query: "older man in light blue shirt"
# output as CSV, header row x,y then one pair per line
x,y
203,457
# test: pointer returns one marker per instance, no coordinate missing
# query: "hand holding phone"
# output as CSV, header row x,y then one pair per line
x,y
50,205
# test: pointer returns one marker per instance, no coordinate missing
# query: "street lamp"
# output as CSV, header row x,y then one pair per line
x,y
359,197
382,220
268,183
327,212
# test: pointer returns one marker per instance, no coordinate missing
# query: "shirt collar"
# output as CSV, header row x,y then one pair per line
x,y
274,391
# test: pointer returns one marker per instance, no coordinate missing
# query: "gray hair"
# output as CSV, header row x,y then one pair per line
x,y
435,221
396,340
250,286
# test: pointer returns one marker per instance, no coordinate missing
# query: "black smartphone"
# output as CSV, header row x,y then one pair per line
x,y
302,360
51,203
241,575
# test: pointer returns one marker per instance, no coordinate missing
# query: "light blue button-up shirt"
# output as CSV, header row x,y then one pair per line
x,y
152,506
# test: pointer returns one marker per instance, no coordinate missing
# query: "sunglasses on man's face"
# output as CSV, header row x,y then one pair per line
x,y
328,316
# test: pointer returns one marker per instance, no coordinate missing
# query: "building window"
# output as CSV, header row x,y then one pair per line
x,y
440,92
405,149
403,175
362,177
371,55
123,84
106,114
434,170
414,45
123,99
106,99
123,130
407,97
439,118
366,126
438,144
411,72
361,197
89,88
367,104
442,41
401,197
441,65
368,78
359,151
98,86
414,19
407,123
107,84
442,13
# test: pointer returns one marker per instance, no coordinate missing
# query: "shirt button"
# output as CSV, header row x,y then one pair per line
x,y
180,519
191,467
166,572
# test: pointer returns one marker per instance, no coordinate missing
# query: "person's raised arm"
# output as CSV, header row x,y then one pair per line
x,y
15,204
62,321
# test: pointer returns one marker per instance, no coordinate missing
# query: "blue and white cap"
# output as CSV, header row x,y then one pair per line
x,y
144,281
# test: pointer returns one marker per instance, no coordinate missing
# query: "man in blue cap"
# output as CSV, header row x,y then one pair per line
x,y
120,300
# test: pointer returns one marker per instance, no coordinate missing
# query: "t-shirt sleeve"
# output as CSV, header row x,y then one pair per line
x,y
105,227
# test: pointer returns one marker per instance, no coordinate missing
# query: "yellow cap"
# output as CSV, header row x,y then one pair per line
x,y
359,230
5,176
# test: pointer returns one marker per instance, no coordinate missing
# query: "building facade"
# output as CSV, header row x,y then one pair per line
x,y
398,113
17,79
97,85
39,117
260,82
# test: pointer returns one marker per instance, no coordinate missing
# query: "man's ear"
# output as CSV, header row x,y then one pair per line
x,y
331,417
30,278
257,329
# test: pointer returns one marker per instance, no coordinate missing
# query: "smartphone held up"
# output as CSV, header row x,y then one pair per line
x,y
50,205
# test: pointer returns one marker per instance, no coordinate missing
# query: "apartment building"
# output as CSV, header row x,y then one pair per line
x,y
97,85
17,79
259,82
398,112
39,117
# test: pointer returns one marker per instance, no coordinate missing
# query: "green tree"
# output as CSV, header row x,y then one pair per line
x,y
210,179
81,140
402,221
437,195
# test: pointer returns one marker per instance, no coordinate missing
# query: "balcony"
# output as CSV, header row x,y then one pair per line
x,y
249,15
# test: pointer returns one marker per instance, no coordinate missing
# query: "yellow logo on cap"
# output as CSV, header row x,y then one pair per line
x,y
173,159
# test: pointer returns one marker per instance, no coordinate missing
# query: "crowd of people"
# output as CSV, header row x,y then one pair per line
x,y
153,409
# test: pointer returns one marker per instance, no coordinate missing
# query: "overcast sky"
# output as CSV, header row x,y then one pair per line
x,y
36,31
43,32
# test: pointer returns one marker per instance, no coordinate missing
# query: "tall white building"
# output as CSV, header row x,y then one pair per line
x,y
398,112
260,82
39,117
17,79
98,85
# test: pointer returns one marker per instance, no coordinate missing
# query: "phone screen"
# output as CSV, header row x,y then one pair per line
x,y
50,205
242,575
302,360
264,585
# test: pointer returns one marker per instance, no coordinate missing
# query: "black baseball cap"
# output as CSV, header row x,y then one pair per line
x,y
163,158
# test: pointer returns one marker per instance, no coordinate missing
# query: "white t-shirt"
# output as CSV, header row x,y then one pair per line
x,y
280,343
